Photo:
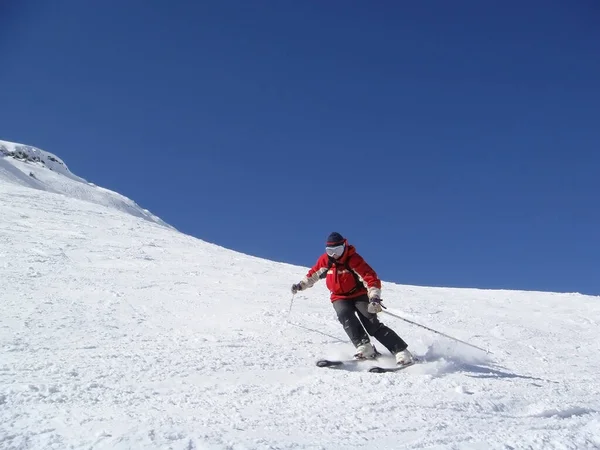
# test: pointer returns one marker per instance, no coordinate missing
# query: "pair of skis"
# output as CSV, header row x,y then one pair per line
x,y
337,364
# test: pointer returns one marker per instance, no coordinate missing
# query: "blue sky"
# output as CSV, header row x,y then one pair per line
x,y
455,143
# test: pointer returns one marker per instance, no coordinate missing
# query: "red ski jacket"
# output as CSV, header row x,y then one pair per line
x,y
347,277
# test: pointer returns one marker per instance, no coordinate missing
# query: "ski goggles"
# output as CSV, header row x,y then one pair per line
x,y
336,251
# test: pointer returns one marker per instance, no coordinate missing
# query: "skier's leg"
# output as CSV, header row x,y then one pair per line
x,y
378,330
346,315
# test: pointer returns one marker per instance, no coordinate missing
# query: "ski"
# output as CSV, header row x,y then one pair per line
x,y
333,364
339,362
377,369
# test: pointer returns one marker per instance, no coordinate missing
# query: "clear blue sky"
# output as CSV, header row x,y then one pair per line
x,y
455,143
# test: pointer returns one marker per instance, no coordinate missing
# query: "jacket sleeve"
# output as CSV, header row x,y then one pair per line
x,y
314,274
366,274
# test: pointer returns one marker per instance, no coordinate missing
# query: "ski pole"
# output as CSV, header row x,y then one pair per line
x,y
435,331
316,331
291,304
305,327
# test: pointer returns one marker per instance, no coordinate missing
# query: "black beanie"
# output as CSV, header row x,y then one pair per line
x,y
335,239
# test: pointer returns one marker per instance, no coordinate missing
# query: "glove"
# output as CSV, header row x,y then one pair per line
x,y
296,288
375,305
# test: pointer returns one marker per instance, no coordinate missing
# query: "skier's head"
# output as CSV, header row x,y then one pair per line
x,y
335,245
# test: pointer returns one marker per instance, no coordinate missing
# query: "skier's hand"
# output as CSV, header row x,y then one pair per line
x,y
296,288
375,305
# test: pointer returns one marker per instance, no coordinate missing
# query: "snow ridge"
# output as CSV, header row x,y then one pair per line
x,y
27,153
32,167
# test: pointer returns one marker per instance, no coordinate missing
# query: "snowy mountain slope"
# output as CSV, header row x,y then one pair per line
x,y
118,333
25,165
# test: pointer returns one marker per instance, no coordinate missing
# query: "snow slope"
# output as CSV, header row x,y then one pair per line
x,y
117,333
29,166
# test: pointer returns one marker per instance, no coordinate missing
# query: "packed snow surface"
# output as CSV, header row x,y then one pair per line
x,y
117,332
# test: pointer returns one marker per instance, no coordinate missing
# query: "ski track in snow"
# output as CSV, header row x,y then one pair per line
x,y
118,333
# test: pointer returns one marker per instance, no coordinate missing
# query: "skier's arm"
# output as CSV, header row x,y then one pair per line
x,y
314,274
367,275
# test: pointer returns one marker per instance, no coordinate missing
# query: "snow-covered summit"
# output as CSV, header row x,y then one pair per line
x,y
32,167
27,153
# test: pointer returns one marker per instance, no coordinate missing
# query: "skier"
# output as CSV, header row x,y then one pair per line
x,y
356,297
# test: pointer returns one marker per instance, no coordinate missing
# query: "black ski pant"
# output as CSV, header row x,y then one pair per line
x,y
358,321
